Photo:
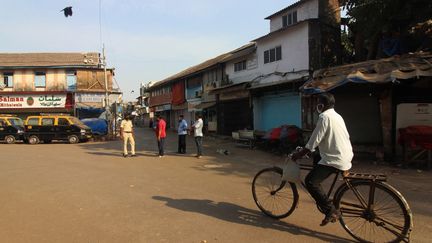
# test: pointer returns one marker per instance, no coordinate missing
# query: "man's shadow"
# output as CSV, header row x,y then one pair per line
x,y
241,215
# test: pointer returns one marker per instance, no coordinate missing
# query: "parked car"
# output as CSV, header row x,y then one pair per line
x,y
11,128
47,128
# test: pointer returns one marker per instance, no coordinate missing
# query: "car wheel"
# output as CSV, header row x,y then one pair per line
x,y
73,139
33,139
10,139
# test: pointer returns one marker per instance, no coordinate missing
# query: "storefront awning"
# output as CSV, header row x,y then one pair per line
x,y
276,83
205,105
373,71
179,107
230,88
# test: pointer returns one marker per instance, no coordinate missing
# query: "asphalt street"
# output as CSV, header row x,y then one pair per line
x,y
88,192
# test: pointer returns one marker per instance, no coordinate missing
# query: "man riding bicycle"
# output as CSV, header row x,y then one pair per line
x,y
331,137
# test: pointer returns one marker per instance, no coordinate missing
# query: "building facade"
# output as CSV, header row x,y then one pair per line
x,y
257,85
34,83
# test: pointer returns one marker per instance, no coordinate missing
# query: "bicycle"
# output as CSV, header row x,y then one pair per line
x,y
371,209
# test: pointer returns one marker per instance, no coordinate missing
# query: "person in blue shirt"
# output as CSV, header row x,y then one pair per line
x,y
182,132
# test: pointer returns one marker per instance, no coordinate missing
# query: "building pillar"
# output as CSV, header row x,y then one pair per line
x,y
386,108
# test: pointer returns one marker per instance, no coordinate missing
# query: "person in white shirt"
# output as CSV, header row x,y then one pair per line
x,y
198,134
331,137
126,134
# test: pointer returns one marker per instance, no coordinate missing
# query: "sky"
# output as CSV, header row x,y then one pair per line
x,y
145,40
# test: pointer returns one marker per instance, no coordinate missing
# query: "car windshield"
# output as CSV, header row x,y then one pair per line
x,y
16,121
76,121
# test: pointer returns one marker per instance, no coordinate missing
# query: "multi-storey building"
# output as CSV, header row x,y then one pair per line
x,y
33,83
258,85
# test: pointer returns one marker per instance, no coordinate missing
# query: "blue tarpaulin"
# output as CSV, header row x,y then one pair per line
x,y
97,125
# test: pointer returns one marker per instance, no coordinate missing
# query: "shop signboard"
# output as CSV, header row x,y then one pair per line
x,y
89,98
166,107
32,101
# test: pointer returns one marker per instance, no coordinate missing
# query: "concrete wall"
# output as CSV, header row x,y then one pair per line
x,y
245,75
295,51
307,10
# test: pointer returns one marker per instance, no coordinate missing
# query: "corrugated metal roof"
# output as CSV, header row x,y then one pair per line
x,y
373,71
287,8
204,65
10,60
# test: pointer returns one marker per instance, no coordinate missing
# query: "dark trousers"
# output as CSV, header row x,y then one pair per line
x,y
313,184
161,144
182,144
198,142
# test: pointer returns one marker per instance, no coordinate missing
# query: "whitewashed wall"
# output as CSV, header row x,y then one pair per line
x,y
295,51
307,10
245,75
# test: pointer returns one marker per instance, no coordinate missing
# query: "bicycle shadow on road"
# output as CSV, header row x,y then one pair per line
x,y
241,215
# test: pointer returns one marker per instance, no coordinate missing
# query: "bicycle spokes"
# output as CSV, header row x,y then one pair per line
x,y
274,197
373,212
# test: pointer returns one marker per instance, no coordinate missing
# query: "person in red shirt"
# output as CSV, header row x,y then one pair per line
x,y
161,134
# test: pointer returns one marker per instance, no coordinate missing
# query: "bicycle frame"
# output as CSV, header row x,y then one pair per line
x,y
354,187
369,205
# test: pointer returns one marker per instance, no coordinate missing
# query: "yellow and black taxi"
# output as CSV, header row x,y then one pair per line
x,y
49,127
11,128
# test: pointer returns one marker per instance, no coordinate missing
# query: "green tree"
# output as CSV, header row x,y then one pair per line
x,y
370,18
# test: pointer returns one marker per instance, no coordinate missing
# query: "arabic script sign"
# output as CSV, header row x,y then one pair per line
x,y
32,101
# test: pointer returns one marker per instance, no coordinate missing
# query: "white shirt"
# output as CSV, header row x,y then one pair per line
x,y
332,138
198,126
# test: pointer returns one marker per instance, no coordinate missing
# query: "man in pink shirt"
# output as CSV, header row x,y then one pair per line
x,y
161,134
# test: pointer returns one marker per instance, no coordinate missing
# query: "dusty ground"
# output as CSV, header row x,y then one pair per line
x,y
89,193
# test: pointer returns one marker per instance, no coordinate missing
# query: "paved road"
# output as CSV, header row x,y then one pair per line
x,y
89,193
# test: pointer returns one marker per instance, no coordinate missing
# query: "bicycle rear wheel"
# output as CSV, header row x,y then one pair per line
x,y
276,204
388,220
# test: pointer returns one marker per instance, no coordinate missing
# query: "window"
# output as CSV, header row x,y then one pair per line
x,y
278,53
71,80
63,122
47,121
266,57
8,80
239,66
272,55
289,19
33,121
40,79
15,121
2,123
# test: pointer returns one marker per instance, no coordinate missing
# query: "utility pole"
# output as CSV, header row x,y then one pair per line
x,y
105,79
107,107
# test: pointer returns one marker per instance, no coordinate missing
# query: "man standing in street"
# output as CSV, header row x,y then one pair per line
x,y
126,134
182,132
198,134
160,134
331,137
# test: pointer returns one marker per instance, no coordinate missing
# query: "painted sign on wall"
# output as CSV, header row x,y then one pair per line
x,y
33,101
89,98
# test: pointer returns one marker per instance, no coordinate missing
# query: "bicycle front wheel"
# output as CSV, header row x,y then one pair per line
x,y
374,215
271,201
